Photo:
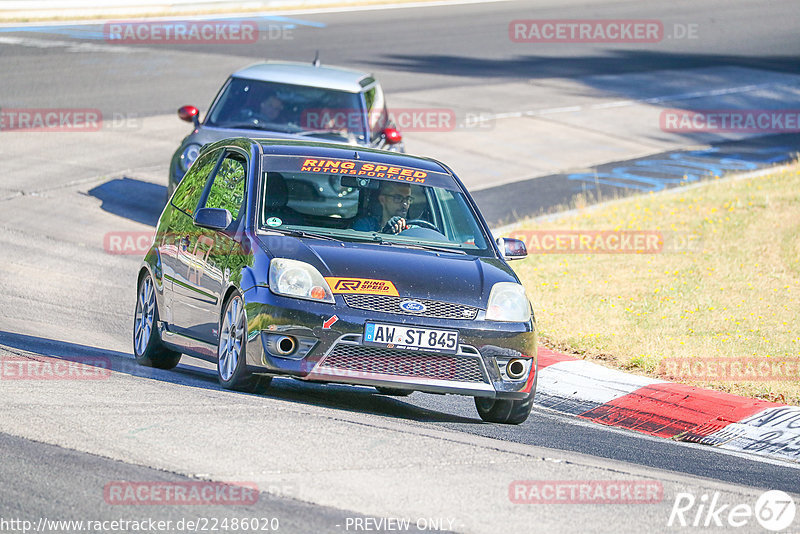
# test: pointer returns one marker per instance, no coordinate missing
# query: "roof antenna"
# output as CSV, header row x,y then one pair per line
x,y
316,59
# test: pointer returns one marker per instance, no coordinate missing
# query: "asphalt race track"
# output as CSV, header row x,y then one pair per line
x,y
322,456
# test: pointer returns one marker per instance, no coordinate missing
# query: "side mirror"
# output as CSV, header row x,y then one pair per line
x,y
213,218
190,114
512,249
392,136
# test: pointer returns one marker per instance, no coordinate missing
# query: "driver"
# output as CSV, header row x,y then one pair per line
x,y
270,110
395,199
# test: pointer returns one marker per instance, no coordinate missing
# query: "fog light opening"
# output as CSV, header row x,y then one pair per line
x,y
515,369
285,345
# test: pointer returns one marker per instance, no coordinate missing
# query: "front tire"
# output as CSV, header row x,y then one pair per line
x,y
231,354
504,411
147,347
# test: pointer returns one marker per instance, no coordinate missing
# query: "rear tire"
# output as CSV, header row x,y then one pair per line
x,y
231,351
147,347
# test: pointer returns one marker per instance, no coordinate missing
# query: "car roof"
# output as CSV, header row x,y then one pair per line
x,y
286,147
295,73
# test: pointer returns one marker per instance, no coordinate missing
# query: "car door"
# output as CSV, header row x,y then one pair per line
x,y
211,255
178,229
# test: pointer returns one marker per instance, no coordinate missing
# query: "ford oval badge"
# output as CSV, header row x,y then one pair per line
x,y
413,306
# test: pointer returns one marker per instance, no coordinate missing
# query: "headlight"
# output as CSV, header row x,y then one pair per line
x,y
508,302
188,156
292,278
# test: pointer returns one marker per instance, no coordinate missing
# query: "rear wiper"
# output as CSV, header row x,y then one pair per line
x,y
378,239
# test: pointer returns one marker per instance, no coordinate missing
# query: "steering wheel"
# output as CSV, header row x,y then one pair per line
x,y
423,223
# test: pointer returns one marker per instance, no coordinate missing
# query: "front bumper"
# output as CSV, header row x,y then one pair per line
x,y
333,351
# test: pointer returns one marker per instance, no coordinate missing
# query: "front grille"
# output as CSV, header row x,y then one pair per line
x,y
356,360
390,304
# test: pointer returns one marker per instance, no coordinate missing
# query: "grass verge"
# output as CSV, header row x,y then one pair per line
x,y
709,297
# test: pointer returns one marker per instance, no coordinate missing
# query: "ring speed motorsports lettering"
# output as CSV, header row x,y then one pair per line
x,y
362,286
363,169
414,338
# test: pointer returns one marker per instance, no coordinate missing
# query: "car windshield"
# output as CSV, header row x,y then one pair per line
x,y
297,109
357,200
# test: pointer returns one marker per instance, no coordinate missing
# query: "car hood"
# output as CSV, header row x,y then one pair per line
x,y
209,134
462,279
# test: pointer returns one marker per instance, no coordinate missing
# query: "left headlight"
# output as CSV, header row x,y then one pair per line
x,y
188,156
292,278
508,302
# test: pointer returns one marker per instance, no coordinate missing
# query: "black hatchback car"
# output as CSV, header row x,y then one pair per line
x,y
403,289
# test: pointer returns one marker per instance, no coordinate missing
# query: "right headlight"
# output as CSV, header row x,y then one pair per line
x,y
188,156
298,279
508,302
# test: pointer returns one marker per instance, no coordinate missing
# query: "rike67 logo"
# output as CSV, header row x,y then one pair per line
x,y
774,510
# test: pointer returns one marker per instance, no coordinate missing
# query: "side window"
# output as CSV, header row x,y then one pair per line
x,y
227,190
460,227
191,187
376,110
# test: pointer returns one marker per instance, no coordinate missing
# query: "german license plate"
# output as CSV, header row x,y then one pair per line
x,y
411,337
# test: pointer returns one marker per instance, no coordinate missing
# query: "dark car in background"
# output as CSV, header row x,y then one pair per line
x,y
281,99
244,273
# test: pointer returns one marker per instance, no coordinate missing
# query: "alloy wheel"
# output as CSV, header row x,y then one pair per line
x,y
231,338
145,311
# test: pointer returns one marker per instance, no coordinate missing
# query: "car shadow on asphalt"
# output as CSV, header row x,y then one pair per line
x,y
601,64
362,399
131,198
343,397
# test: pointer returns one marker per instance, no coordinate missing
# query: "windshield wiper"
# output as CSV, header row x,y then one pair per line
x,y
325,132
253,126
378,239
246,126
301,233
